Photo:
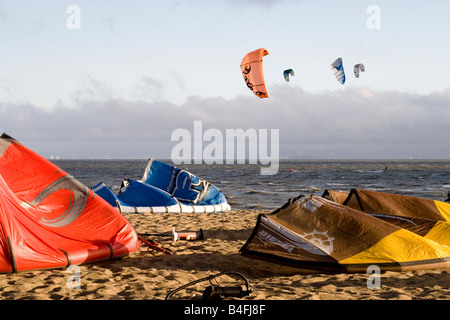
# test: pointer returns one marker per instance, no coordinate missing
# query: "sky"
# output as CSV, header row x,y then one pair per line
x,y
114,79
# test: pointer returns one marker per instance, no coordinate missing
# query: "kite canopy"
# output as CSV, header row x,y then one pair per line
x,y
165,189
286,74
252,70
48,219
357,68
338,69
393,232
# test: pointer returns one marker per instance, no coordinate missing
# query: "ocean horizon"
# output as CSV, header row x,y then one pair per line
x,y
245,188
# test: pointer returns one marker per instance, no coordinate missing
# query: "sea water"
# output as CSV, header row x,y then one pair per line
x,y
245,188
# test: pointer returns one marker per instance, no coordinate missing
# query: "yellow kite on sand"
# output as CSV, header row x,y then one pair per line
x,y
348,232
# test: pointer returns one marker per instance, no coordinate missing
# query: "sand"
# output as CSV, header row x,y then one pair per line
x,y
148,276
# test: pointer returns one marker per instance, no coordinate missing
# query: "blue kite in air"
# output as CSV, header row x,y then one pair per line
x,y
338,69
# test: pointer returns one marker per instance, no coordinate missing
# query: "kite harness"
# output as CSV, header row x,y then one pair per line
x,y
216,291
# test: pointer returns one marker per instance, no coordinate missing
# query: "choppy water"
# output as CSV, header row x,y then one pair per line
x,y
245,188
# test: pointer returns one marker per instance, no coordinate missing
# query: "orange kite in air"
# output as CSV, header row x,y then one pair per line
x,y
252,70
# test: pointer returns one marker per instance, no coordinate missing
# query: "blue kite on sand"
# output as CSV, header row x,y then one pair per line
x,y
165,189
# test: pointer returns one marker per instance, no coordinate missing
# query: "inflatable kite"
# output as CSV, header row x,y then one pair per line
x,y
338,68
357,68
48,219
286,74
364,228
165,189
252,70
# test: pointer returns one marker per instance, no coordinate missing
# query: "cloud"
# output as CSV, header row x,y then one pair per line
x,y
92,88
350,123
151,88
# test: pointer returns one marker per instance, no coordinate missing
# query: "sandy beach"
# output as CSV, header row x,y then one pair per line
x,y
151,276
